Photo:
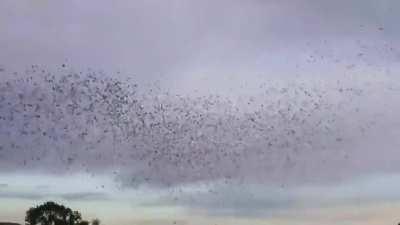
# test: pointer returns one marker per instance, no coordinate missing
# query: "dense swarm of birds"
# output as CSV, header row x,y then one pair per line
x,y
89,122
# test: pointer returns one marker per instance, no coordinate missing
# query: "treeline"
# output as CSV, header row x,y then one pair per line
x,y
51,213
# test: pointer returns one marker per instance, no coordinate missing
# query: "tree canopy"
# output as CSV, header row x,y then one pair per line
x,y
51,213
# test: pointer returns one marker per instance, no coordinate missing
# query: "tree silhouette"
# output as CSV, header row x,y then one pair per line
x,y
96,222
83,222
51,213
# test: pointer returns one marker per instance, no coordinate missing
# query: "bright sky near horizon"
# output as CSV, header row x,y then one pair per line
x,y
152,112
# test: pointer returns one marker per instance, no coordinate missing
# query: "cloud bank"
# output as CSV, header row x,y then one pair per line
x,y
292,132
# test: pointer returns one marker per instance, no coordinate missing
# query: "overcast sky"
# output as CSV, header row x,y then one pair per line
x,y
202,112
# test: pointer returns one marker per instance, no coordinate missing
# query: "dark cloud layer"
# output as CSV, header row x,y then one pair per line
x,y
84,196
80,196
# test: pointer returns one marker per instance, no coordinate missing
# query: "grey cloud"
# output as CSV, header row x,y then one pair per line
x,y
29,196
299,132
80,196
149,38
85,196
43,187
235,201
262,201
167,139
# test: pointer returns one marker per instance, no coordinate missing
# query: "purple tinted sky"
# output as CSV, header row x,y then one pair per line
x,y
333,63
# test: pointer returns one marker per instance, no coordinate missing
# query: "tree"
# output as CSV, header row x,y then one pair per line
x,y
96,222
51,213
83,222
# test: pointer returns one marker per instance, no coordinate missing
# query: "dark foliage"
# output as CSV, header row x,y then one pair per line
x,y
51,213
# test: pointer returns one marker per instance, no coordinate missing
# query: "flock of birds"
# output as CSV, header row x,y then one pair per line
x,y
86,121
